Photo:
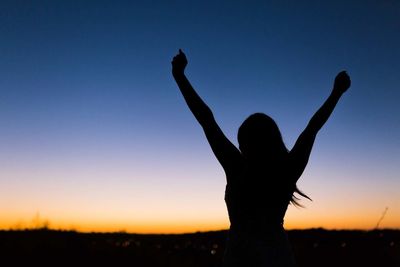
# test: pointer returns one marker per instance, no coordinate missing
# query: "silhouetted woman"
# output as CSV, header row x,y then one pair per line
x,y
261,175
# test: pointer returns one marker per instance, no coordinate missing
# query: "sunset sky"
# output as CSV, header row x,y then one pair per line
x,y
95,135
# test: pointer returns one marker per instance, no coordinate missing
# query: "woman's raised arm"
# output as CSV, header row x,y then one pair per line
x,y
196,105
302,148
226,153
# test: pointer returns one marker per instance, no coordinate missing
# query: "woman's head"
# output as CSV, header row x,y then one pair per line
x,y
259,137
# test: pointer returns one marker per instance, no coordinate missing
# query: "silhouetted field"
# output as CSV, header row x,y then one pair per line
x,y
315,247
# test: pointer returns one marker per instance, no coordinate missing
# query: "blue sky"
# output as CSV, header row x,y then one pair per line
x,y
89,110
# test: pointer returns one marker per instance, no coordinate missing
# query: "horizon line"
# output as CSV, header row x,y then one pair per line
x,y
184,233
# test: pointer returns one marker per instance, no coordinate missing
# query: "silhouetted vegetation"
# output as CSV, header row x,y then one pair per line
x,y
315,247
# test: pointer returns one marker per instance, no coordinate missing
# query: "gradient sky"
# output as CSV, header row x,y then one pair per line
x,y
95,135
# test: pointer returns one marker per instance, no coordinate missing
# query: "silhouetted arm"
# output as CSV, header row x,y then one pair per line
x,y
302,148
226,153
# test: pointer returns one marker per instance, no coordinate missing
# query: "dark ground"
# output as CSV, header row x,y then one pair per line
x,y
315,247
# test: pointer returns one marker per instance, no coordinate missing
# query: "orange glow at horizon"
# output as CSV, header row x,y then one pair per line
x,y
178,226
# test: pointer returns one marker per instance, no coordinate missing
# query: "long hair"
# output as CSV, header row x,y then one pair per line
x,y
260,137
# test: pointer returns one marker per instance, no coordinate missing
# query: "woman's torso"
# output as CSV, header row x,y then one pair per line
x,y
257,200
258,194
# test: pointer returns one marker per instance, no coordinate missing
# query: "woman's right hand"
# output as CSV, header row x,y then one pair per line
x,y
179,63
342,82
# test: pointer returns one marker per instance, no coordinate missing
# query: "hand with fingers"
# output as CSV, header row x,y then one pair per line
x,y
342,82
179,63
